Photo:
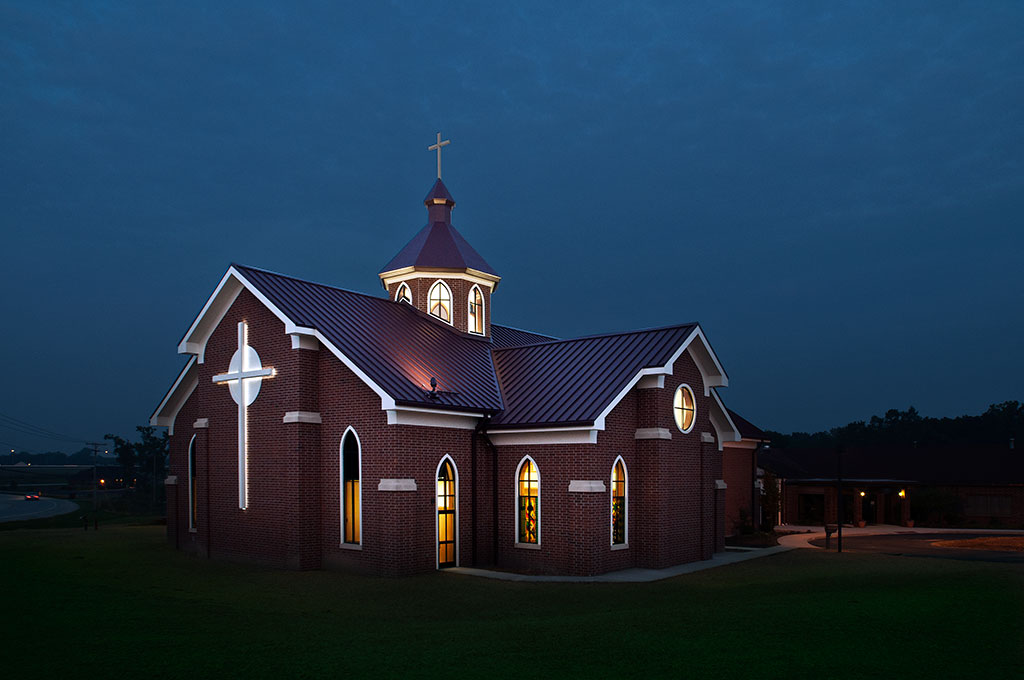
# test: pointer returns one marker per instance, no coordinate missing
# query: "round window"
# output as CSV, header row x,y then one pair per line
x,y
684,408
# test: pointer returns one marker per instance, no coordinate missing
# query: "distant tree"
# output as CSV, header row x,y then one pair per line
x,y
997,425
144,460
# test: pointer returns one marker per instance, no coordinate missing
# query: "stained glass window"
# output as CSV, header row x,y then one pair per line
x,y
476,311
529,502
440,299
350,488
446,515
403,294
618,503
685,408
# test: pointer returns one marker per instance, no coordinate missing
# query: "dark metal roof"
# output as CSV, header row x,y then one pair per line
x,y
506,336
439,245
544,383
570,382
395,345
747,429
439,190
978,464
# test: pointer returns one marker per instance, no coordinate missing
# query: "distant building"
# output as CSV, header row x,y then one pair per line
x,y
317,427
740,472
933,486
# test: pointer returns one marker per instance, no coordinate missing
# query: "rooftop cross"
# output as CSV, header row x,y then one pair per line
x,y
437,147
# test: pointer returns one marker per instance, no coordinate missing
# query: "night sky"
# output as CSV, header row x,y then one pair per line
x,y
834,193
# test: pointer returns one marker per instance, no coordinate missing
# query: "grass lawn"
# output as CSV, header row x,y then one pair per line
x,y
121,602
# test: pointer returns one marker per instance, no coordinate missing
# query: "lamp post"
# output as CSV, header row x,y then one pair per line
x,y
839,497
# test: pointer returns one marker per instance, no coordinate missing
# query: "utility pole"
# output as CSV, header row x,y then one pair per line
x,y
95,495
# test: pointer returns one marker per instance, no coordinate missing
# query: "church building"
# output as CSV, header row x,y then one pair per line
x,y
314,427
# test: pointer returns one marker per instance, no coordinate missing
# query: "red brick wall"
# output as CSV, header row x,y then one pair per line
x,y
460,288
293,518
737,471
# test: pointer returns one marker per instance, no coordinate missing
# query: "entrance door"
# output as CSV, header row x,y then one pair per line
x,y
446,515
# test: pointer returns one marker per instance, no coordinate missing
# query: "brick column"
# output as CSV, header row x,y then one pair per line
x,y
302,429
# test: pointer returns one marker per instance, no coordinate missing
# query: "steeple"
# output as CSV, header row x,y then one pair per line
x,y
438,271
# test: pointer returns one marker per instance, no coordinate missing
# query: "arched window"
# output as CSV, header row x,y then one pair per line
x,y
403,294
351,495
684,408
528,503
192,514
447,517
620,508
440,300
476,311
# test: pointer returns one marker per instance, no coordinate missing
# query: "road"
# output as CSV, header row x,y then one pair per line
x,y
921,545
15,507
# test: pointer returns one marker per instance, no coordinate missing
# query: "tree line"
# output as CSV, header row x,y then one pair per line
x,y
996,426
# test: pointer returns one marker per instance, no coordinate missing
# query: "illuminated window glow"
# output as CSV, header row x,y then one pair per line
x,y
350,495
528,506
685,409
440,300
619,508
446,515
476,311
403,294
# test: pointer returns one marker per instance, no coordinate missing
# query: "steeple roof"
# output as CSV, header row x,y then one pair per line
x,y
439,245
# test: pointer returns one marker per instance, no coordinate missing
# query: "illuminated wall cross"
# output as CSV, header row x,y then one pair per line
x,y
437,147
244,376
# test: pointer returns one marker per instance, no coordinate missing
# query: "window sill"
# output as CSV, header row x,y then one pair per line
x,y
193,530
351,546
528,546
620,546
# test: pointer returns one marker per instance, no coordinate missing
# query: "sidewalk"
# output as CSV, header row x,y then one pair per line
x,y
730,556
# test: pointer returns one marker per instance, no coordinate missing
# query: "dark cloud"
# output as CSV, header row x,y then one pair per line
x,y
833,191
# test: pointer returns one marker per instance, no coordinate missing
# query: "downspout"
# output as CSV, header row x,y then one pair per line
x,y
209,529
472,493
494,486
703,494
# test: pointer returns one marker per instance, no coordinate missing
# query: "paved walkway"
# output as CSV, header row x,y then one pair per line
x,y
15,507
730,556
798,537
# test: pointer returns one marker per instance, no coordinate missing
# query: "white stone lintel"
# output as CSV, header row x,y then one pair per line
x,y
586,486
707,437
302,417
171,481
201,424
720,484
397,485
652,433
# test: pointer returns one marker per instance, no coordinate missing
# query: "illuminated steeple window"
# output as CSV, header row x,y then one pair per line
x,y
403,294
440,300
476,311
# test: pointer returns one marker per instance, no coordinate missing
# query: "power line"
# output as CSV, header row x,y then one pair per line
x,y
24,427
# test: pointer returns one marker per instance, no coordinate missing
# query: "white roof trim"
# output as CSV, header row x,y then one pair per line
x,y
720,420
710,369
176,397
221,300
543,435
